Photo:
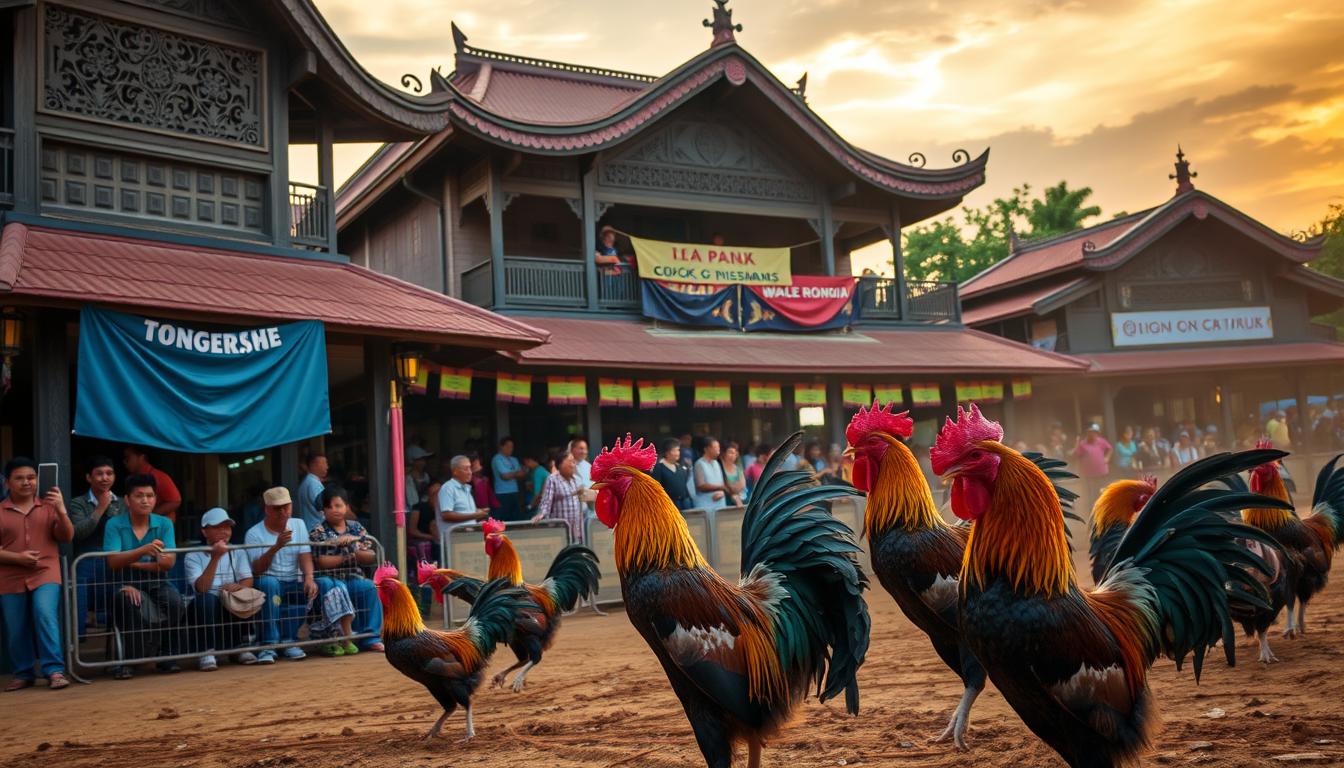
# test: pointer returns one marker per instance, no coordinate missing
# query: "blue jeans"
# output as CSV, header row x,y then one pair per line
x,y
368,608
34,619
212,628
275,627
91,581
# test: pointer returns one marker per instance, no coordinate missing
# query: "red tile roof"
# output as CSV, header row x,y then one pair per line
x,y
545,99
1035,260
1207,358
45,263
1008,305
629,344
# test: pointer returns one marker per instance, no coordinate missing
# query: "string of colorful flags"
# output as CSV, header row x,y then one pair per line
x,y
456,383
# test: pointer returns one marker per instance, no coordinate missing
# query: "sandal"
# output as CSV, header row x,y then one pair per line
x,y
332,650
56,681
18,684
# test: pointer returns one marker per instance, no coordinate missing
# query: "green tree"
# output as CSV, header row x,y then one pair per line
x,y
1331,260
1060,211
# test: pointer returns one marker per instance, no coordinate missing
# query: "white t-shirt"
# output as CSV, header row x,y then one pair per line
x,y
232,568
584,471
285,564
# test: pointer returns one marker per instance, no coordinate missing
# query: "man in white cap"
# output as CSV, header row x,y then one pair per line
x,y
209,575
283,572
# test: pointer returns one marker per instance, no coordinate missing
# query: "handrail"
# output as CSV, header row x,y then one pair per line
x,y
309,214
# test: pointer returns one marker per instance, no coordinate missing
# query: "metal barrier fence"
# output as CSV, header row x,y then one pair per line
x,y
183,625
462,548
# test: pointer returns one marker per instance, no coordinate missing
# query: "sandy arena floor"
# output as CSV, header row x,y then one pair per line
x,y
599,699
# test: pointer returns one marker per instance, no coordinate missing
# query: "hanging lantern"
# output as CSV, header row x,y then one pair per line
x,y
11,332
408,366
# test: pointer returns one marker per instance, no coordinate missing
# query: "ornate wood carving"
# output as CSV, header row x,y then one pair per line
x,y
143,187
219,11
107,69
702,157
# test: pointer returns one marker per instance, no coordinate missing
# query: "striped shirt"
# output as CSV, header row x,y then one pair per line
x,y
559,501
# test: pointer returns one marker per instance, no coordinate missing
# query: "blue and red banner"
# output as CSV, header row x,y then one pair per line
x,y
809,303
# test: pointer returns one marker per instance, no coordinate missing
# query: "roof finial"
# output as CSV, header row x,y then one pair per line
x,y
801,87
1183,174
722,25
1014,242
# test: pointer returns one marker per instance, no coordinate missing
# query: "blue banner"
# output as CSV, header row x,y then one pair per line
x,y
714,306
809,303
195,390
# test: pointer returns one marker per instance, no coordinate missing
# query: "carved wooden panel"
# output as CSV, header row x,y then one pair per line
x,y
226,12
118,71
74,177
1203,292
702,157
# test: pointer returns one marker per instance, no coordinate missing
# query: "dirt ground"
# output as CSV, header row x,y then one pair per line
x,y
599,699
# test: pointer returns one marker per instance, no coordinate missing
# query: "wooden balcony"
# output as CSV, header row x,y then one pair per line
x,y
6,166
560,284
310,216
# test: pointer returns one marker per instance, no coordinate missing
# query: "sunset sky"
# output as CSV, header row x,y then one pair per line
x,y
1095,92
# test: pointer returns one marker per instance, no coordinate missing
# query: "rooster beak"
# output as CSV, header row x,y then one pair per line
x,y
849,452
597,486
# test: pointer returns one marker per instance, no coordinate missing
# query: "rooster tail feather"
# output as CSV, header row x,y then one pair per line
x,y
493,614
1327,501
573,575
821,621
1187,551
465,588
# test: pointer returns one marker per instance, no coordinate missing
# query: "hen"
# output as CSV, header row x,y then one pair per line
x,y
573,575
448,663
740,655
1073,663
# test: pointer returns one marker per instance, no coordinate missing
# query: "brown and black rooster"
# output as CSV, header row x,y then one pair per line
x,y
1073,663
740,654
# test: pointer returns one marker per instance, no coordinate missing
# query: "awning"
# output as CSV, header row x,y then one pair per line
x,y
625,344
1011,305
1188,359
215,284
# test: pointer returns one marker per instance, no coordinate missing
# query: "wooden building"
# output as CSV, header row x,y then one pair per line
x,y
144,152
502,208
1190,312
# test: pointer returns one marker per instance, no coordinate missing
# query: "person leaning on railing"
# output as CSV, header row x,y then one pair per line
x,y
209,576
283,572
31,531
147,609
340,547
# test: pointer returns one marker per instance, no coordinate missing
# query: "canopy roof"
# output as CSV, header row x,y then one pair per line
x,y
141,274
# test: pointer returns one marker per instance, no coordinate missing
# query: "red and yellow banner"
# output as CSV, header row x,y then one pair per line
x,y
421,383
926,395
805,395
764,394
968,391
661,393
701,263
454,383
855,395
566,390
513,388
616,393
889,393
991,391
713,394
1021,389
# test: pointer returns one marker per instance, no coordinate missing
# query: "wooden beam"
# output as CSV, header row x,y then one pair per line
x,y
898,261
495,199
590,234
302,67
827,235
326,177
51,394
841,191
377,382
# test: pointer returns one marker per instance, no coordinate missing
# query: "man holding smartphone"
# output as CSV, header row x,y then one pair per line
x,y
31,532
147,608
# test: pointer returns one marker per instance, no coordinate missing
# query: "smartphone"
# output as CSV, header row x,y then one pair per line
x,y
47,478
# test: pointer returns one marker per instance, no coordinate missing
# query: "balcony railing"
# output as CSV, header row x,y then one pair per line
x,y
618,291
478,285
6,166
309,215
530,281
926,301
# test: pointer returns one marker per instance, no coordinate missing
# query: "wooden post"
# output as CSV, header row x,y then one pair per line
x,y
1303,426
23,59
281,212
377,375
589,238
593,412
326,177
289,466
827,241
51,393
835,413
898,262
501,424
1108,410
495,197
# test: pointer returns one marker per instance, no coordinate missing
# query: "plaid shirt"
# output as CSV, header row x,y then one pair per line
x,y
324,538
559,500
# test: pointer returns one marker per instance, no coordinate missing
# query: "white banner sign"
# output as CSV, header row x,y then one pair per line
x,y
1191,326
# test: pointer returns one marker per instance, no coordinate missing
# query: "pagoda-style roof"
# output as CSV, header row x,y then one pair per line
x,y
1110,244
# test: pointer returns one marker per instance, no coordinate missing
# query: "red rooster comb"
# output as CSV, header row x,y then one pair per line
x,y
956,437
385,571
879,419
492,526
1150,481
631,453
424,571
1264,443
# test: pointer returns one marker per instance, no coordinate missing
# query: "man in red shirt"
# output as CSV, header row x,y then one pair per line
x,y
137,463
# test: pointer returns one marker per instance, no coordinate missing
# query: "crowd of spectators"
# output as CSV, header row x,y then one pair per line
x,y
222,599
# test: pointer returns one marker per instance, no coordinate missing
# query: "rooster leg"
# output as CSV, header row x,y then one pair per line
x,y
471,729
435,730
956,727
753,754
521,676
1266,656
498,680
592,603
1291,631
1302,618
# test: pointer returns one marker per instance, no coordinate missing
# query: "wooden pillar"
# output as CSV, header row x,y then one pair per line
x,y
23,59
1077,414
289,466
826,233
495,198
378,378
1010,417
593,414
447,214
501,425
1229,420
790,408
835,413
1303,425
898,262
589,238
51,393
1108,410
281,214
326,177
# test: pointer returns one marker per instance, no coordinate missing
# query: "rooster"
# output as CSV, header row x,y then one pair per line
x,y
915,553
1121,501
448,664
740,655
573,575
1308,543
1072,663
